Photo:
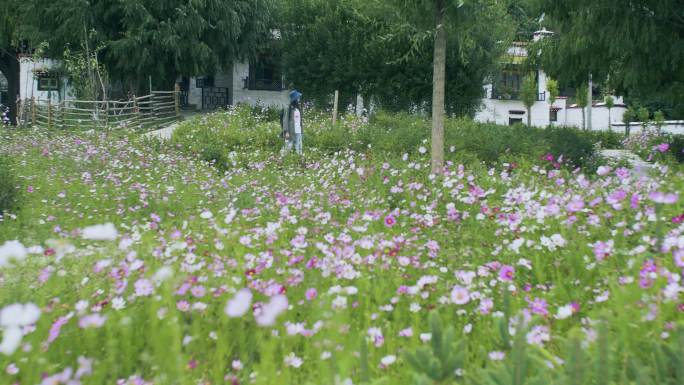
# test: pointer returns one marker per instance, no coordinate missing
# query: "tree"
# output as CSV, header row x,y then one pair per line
x,y
634,43
162,39
642,115
9,63
552,88
659,120
528,94
581,99
446,18
627,118
610,103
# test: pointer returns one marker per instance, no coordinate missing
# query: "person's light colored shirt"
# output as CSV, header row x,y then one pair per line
x,y
297,121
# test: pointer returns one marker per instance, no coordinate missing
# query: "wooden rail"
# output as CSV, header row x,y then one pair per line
x,y
147,112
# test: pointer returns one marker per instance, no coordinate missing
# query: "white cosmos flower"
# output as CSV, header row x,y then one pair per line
x,y
106,232
11,338
12,250
19,315
272,310
388,360
564,312
164,273
239,305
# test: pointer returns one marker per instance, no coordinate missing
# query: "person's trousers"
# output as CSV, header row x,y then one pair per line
x,y
298,143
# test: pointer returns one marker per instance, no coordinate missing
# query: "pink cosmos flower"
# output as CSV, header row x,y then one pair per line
x,y
376,335
460,295
539,306
662,147
575,205
56,328
506,273
390,220
311,294
663,198
92,321
603,249
143,287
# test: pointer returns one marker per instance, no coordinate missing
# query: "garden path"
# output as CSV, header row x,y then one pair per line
x,y
638,165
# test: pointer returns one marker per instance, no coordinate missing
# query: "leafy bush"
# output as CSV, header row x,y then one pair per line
x,y
9,195
388,133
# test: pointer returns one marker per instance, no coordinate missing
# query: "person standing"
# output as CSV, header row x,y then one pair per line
x,y
287,124
297,120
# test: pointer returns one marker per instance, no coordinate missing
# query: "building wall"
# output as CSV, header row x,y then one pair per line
x,y
599,116
252,97
28,84
234,80
499,112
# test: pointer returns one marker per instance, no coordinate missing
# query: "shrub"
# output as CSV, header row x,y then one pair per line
x,y
9,195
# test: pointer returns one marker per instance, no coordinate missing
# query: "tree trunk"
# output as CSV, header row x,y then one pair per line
x,y
9,66
610,122
584,121
590,104
438,88
529,116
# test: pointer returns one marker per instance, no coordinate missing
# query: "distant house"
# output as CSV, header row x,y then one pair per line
x,y
41,79
502,104
254,82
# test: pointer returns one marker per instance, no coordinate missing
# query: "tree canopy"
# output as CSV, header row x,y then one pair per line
x,y
141,38
636,46
383,50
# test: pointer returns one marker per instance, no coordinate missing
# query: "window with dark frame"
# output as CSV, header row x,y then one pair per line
x,y
265,74
553,115
48,83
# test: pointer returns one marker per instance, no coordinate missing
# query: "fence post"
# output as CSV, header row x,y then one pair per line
x,y
176,99
337,98
136,112
61,107
49,113
33,111
19,116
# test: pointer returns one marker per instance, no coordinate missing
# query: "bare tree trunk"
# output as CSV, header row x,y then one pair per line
x,y
584,121
438,88
529,116
610,122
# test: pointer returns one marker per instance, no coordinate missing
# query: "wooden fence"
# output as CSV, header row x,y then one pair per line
x,y
158,109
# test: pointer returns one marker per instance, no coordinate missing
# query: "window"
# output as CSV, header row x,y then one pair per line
x,y
514,121
265,74
553,115
204,82
508,84
48,83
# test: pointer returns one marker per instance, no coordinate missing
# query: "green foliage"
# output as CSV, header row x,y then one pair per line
x,y
214,136
379,48
9,195
552,88
628,44
152,38
642,115
438,362
610,102
659,119
528,95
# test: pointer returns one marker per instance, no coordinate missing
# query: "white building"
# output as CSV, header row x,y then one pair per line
x,y
502,104
257,83
260,82
40,79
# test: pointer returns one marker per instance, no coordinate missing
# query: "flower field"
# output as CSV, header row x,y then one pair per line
x,y
133,262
